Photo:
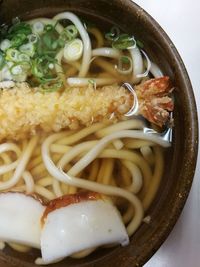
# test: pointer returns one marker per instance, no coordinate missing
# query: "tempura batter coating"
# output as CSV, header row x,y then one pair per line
x,y
27,111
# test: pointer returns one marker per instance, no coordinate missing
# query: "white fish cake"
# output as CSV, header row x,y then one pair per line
x,y
80,226
20,219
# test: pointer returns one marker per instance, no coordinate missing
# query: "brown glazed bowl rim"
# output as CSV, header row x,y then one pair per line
x,y
190,144
192,151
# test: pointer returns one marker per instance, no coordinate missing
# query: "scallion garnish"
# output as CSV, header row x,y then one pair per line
x,y
12,55
23,57
40,68
28,49
18,40
51,86
73,50
38,27
33,38
93,83
47,41
49,27
113,34
125,65
17,33
19,28
16,70
140,44
125,59
5,44
71,32
20,68
124,41
37,68
2,60
119,40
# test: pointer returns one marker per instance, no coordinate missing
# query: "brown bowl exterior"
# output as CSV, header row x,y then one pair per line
x,y
180,159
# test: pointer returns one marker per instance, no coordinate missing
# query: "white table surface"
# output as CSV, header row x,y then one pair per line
x,y
181,20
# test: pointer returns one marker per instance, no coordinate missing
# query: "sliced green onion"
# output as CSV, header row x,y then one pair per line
x,y
38,27
5,74
63,37
25,66
49,27
20,69
93,83
37,70
40,68
23,57
16,70
5,44
28,49
50,41
19,28
71,31
125,65
46,58
125,59
18,39
33,38
54,45
61,42
47,41
51,86
10,64
113,34
124,41
73,50
19,78
140,44
12,55
47,79
2,60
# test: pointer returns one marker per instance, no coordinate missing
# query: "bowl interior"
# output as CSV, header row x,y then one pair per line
x,y
180,159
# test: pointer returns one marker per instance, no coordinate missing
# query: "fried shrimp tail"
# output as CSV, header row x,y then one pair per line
x,y
154,100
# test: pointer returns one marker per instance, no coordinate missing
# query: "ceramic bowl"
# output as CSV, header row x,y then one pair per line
x,y
180,159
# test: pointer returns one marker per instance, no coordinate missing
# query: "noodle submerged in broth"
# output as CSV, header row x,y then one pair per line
x,y
75,104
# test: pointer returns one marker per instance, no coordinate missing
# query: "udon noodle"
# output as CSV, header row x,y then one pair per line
x,y
28,167
114,157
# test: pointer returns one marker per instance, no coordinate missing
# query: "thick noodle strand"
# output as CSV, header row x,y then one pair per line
x,y
85,37
95,151
137,63
92,186
23,161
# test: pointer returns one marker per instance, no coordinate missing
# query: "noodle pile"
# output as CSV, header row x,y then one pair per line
x,y
129,168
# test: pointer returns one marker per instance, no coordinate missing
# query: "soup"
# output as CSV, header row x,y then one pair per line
x,y
85,115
